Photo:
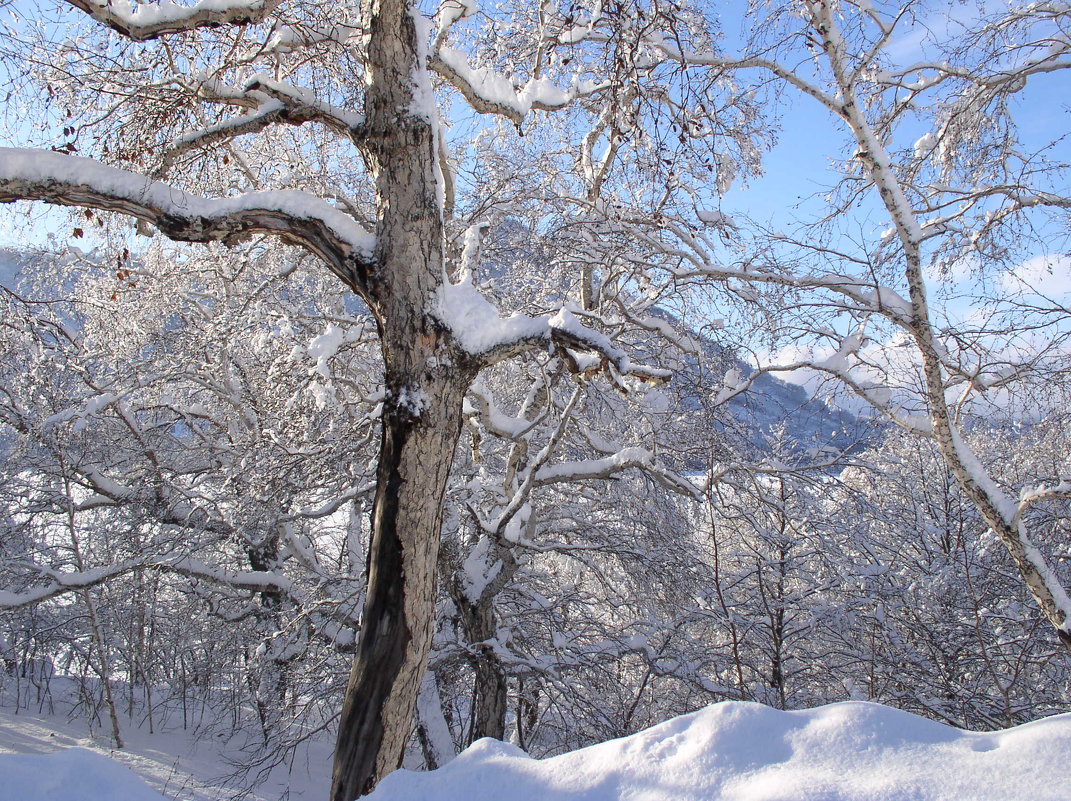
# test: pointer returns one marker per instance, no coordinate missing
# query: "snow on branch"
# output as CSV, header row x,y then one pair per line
x,y
490,92
624,459
302,105
293,38
147,21
505,528
568,333
1042,494
271,102
480,402
297,217
450,11
329,507
63,582
481,332
60,584
268,113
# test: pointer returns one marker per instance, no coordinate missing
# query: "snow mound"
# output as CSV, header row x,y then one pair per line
x,y
74,774
737,751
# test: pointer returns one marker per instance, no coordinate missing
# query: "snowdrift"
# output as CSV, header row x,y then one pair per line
x,y
738,751
726,752
74,774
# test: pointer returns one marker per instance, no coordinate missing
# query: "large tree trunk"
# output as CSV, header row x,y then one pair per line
x,y
399,611
426,377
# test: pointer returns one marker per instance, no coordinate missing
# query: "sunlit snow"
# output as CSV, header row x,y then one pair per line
x,y
737,751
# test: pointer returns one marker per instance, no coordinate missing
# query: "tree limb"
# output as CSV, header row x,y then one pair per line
x,y
296,217
148,21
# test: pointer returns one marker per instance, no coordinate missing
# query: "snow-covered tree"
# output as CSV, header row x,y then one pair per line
x,y
201,429
935,179
322,126
938,621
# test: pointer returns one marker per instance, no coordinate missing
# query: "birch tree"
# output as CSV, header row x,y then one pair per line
x,y
934,179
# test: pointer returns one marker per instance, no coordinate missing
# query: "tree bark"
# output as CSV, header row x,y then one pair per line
x,y
426,377
490,690
399,610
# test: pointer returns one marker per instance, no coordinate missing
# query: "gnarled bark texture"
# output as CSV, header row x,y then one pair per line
x,y
426,379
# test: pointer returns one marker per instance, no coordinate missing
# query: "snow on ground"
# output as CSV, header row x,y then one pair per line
x,y
727,752
74,774
738,751
175,763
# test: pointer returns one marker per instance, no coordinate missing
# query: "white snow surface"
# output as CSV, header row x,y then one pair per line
x,y
42,752
736,751
732,751
71,775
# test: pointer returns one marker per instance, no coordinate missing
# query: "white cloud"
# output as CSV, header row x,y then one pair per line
x,y
1048,275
